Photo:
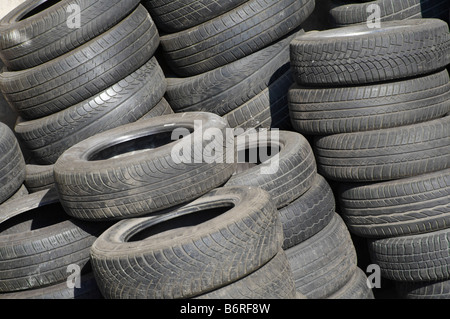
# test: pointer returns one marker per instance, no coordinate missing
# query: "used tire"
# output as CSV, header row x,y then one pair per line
x,y
326,111
308,214
152,257
324,263
413,258
39,177
226,88
273,280
124,102
131,170
45,26
386,154
355,288
285,175
12,163
38,241
84,71
233,35
423,290
356,55
344,14
173,16
408,206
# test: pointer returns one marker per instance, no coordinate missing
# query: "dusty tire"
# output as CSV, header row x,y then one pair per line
x,y
12,163
408,206
414,258
39,177
355,288
174,16
285,175
207,252
387,154
39,241
308,214
273,280
343,14
324,263
84,71
358,55
48,30
225,89
124,102
109,177
326,111
235,34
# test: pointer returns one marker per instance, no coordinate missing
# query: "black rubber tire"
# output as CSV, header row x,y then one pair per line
x,y
207,252
21,192
176,15
401,207
235,34
12,163
28,41
38,241
162,108
144,177
326,111
273,280
225,89
38,177
355,288
324,263
285,178
343,14
386,154
308,214
413,258
269,109
84,71
88,290
423,290
126,101
356,55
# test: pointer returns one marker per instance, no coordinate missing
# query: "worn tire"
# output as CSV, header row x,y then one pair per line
x,y
355,288
308,214
46,29
423,290
285,175
386,154
84,71
173,16
209,251
109,177
358,55
273,280
124,102
413,258
343,14
225,89
324,263
12,163
38,241
39,177
326,111
408,206
237,33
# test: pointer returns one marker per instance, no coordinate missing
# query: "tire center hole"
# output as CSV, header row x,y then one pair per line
x,y
43,5
181,223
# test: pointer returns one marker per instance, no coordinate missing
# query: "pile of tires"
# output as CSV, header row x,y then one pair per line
x,y
230,58
376,105
69,79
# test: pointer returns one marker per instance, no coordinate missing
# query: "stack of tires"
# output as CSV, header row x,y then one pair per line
x,y
316,241
77,68
376,104
230,58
